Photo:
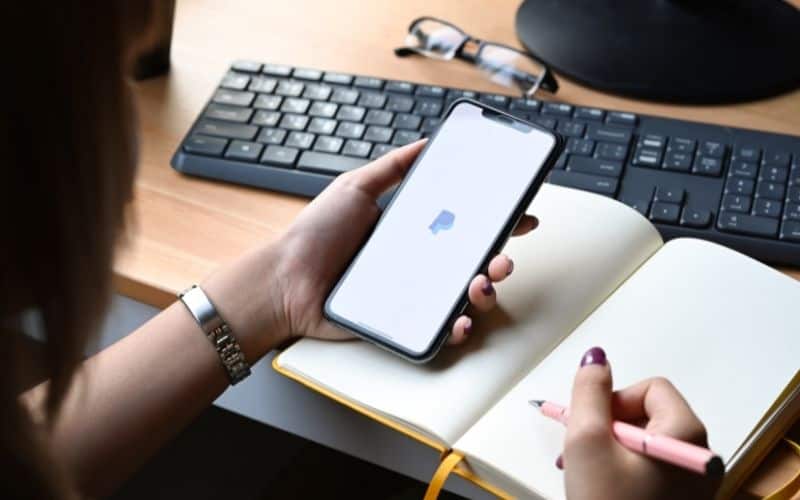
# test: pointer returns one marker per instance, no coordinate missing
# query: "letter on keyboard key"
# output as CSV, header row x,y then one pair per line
x,y
204,145
747,224
665,212
226,129
403,137
597,184
279,156
327,163
241,150
228,113
609,134
233,97
616,118
790,231
693,217
594,166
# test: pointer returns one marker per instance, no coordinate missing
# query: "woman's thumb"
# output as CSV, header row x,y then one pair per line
x,y
590,409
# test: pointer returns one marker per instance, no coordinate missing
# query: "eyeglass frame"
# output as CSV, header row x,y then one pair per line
x,y
545,81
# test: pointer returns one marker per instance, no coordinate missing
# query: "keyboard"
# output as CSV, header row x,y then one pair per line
x,y
293,130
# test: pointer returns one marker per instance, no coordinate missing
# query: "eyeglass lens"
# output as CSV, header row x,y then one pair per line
x,y
435,38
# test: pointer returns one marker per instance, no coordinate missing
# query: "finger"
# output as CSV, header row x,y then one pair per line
x,y
560,462
380,175
500,267
461,330
481,293
590,410
664,408
525,225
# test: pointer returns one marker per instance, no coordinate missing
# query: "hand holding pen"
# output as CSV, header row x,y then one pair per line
x,y
597,464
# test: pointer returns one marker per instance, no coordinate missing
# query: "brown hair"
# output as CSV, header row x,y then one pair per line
x,y
68,153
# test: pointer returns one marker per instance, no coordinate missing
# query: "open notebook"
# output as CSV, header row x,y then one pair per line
x,y
721,326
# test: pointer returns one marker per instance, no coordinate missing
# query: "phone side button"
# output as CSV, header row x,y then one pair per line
x,y
594,183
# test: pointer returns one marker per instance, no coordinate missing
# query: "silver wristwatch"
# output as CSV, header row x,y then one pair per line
x,y
217,331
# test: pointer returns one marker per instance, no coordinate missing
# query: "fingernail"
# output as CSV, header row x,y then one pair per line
x,y
487,288
510,266
560,462
594,356
468,327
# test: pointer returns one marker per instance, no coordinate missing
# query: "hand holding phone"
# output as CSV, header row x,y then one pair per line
x,y
408,284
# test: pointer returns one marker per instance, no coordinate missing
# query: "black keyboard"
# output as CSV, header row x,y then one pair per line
x,y
294,129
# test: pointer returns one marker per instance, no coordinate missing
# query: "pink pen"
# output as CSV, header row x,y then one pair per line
x,y
670,450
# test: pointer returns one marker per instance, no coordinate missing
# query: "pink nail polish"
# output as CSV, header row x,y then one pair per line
x,y
468,327
510,266
560,462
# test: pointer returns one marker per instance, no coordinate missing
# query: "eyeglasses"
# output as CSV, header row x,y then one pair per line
x,y
510,67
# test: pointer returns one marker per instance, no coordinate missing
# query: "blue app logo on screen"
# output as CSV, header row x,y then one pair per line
x,y
442,222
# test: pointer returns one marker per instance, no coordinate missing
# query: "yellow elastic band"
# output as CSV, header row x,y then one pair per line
x,y
792,487
440,476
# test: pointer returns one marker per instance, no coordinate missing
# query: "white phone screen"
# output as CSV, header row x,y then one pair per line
x,y
404,283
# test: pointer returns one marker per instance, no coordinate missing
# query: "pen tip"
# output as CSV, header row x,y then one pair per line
x,y
536,402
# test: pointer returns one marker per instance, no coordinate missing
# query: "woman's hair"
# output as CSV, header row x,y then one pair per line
x,y
68,150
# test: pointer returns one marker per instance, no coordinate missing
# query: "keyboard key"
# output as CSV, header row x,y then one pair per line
x,y
790,231
294,122
794,194
235,81
241,150
374,100
276,70
747,224
378,117
226,129
583,147
777,158
338,78
608,134
748,153
317,92
323,109
330,164
246,66
677,161
682,145
269,102
772,173
693,217
350,130
407,122
403,137
571,129
429,125
400,104
594,183
290,88
653,141
357,148
705,165
561,162
345,96
736,185
646,157
262,84
770,191
295,105
590,114
608,151
640,205
557,109
322,126
367,82
668,213
454,94
266,118
767,208
428,107
328,144
300,140
792,211
616,118
546,123
307,74
399,87
378,134
670,195
794,175
380,150
351,113
736,203
430,91
233,97
712,149
594,166
271,136
525,105
228,113
204,145
279,156
743,169
496,100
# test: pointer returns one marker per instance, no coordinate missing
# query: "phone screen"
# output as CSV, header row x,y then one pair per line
x,y
404,284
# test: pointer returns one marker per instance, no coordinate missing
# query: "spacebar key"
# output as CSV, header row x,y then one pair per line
x,y
327,163
594,183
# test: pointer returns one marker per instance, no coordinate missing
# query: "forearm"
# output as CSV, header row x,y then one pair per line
x,y
132,397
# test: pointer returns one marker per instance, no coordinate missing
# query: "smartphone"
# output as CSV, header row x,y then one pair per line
x,y
452,213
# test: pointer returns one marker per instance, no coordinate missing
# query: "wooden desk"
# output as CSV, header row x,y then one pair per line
x,y
182,228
